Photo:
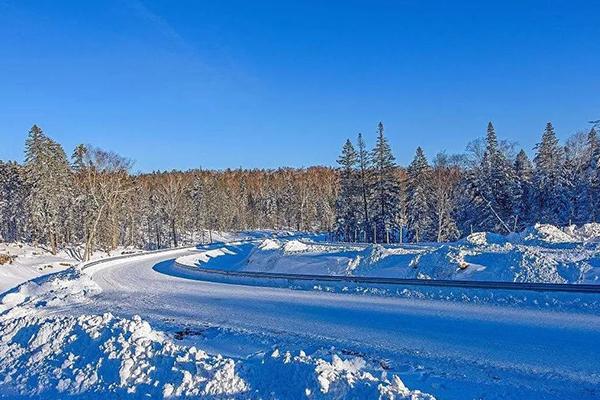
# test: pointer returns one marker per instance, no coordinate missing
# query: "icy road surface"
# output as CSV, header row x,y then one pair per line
x,y
450,350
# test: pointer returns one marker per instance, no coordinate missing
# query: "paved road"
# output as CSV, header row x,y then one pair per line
x,y
459,348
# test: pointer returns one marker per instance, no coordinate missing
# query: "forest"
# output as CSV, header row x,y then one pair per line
x,y
92,199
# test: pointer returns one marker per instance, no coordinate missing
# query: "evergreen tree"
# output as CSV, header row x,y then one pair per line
x,y
364,163
551,204
491,184
577,190
418,197
49,178
385,190
523,191
347,210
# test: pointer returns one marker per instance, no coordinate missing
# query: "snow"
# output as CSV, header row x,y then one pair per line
x,y
204,256
547,233
31,262
75,355
50,355
144,328
543,253
294,246
269,244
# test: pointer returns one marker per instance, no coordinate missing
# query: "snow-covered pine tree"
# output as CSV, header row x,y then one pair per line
x,y
385,190
364,175
419,198
347,210
491,183
49,178
551,203
522,191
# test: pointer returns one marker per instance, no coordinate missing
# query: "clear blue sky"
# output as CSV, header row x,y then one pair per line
x,y
216,84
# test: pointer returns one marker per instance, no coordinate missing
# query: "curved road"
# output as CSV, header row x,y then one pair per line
x,y
450,350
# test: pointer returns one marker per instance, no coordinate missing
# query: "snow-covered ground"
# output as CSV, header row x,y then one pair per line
x,y
30,262
50,347
543,253
143,327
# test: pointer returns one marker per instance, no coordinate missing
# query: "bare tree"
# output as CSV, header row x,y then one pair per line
x,y
172,189
105,180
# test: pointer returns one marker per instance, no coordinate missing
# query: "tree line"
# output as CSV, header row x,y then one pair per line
x,y
489,188
91,199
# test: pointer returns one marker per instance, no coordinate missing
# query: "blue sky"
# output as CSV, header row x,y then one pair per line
x,y
216,84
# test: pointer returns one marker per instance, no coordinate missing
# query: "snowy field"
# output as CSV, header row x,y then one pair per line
x,y
143,327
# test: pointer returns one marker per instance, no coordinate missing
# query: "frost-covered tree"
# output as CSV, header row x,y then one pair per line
x,y
385,190
522,191
13,202
103,182
577,190
48,176
491,184
589,191
347,205
551,203
364,188
419,202
171,191
445,194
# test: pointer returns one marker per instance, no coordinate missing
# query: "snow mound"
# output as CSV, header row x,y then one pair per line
x,y
269,244
93,353
295,246
588,232
51,290
542,253
485,239
547,233
326,375
204,256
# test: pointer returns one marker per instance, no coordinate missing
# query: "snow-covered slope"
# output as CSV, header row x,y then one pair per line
x,y
29,262
543,253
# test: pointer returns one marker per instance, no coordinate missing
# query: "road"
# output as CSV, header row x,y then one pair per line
x,y
448,349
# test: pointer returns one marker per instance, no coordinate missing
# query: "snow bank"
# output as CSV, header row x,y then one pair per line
x,y
326,374
49,355
485,239
542,253
57,356
204,256
92,353
294,246
269,244
547,233
588,232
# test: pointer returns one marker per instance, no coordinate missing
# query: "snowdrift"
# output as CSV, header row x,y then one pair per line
x,y
543,253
